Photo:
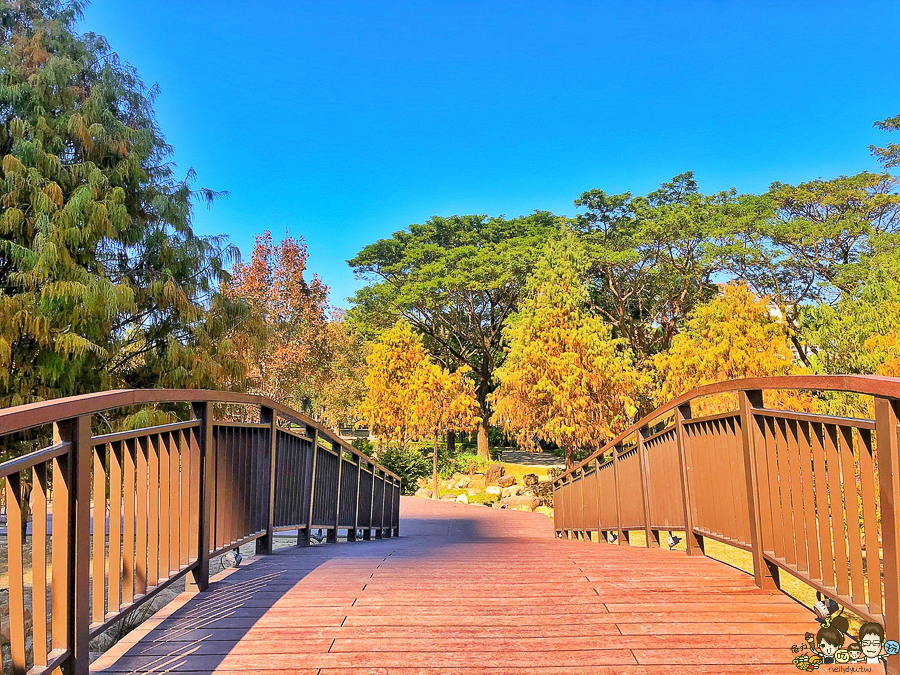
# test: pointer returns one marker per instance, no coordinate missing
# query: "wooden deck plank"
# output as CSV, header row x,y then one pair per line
x,y
467,590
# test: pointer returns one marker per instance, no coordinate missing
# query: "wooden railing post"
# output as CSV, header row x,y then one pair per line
x,y
332,537
200,574
652,538
265,544
367,533
304,538
379,531
351,535
886,421
601,536
693,541
621,537
77,432
765,573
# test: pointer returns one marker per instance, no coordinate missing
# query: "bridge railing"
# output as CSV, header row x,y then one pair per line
x,y
116,518
812,495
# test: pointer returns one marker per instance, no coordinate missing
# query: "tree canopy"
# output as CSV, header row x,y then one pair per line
x,y
103,281
456,281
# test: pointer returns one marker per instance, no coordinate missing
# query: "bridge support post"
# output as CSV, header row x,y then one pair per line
x,y
77,493
765,573
332,536
351,534
265,544
206,493
886,434
694,542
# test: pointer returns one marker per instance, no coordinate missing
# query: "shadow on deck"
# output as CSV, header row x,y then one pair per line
x,y
469,589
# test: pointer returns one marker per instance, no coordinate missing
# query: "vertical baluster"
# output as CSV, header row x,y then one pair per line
x,y
851,500
39,563
809,505
140,556
164,507
889,496
764,484
15,550
128,495
693,543
221,488
174,504
197,479
784,483
184,514
771,451
622,538
870,519
821,502
305,536
841,561
796,492
153,520
99,571
351,536
115,527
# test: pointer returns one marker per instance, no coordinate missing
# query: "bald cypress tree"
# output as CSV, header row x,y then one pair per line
x,y
103,281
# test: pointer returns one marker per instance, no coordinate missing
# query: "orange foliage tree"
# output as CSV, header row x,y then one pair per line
x,y
285,338
735,335
566,380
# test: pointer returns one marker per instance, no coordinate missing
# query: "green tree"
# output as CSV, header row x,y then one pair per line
x,y
806,238
651,258
455,280
102,279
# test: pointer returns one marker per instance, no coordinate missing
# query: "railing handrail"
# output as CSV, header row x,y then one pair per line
x,y
867,385
30,415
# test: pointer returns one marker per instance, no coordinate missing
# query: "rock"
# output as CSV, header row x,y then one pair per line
x,y
530,502
448,498
530,479
477,481
513,491
546,510
448,485
472,492
493,473
493,490
425,493
456,476
464,482
521,507
506,481
462,499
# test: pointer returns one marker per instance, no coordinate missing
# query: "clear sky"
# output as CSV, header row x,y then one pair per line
x,y
345,121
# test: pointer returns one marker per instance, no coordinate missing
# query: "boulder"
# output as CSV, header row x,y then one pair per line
x,y
456,476
513,491
506,481
464,482
472,492
477,481
530,479
448,498
462,499
546,510
493,490
530,502
424,493
494,472
448,485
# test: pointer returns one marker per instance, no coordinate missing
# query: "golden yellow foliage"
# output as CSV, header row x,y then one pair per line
x,y
565,380
733,336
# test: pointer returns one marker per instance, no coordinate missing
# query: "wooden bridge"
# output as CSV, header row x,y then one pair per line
x,y
116,518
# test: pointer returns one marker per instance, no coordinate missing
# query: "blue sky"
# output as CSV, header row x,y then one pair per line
x,y
345,121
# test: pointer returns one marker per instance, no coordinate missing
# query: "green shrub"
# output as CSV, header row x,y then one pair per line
x,y
408,463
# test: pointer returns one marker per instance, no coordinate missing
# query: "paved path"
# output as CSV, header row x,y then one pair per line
x,y
470,589
523,458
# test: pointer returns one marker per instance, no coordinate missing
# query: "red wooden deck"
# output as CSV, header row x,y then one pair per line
x,y
469,589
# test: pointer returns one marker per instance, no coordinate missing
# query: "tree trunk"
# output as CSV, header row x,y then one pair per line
x,y
435,494
451,442
570,461
483,427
